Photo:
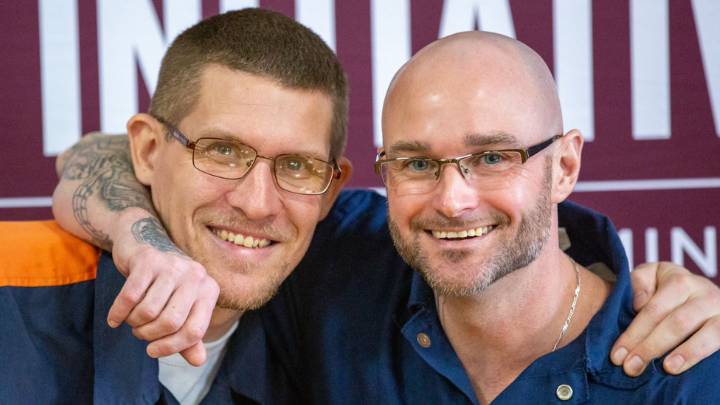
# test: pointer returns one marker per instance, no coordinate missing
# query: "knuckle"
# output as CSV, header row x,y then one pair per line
x,y
197,272
682,280
213,287
129,297
171,323
139,333
194,333
146,313
654,310
682,324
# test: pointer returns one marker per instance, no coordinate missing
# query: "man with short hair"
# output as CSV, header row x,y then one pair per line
x,y
249,94
336,331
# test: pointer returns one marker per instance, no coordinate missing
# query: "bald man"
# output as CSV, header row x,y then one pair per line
x,y
475,160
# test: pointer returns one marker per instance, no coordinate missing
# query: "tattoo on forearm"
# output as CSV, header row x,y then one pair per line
x,y
151,232
103,165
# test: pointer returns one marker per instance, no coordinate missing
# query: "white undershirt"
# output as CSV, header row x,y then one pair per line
x,y
190,384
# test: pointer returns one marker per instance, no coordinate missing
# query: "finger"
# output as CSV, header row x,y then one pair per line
x,y
190,334
132,292
153,303
644,282
659,307
195,355
702,344
669,333
172,317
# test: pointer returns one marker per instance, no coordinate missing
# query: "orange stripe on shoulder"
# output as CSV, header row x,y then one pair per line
x,y
41,254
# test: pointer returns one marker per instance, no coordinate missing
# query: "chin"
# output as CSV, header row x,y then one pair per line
x,y
249,296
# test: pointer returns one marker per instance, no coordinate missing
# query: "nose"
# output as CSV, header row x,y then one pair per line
x,y
256,194
454,196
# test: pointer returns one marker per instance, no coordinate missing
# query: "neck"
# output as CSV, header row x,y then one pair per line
x,y
221,322
501,331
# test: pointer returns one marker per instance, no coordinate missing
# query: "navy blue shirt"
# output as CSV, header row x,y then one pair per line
x,y
345,326
343,329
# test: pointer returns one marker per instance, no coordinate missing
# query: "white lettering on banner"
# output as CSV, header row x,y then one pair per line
x,y
229,5
626,238
129,32
572,37
60,75
680,245
651,245
650,69
319,16
707,15
391,47
490,15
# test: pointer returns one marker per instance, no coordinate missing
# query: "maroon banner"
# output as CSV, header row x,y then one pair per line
x,y
640,79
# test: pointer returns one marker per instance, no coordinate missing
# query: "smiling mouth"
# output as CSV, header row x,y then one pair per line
x,y
463,234
240,239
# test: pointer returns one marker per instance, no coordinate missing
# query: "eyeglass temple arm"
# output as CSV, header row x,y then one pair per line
x,y
537,148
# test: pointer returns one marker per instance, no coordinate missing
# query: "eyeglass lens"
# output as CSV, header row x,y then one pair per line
x,y
232,160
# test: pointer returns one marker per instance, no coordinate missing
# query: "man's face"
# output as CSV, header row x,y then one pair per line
x,y
202,212
450,117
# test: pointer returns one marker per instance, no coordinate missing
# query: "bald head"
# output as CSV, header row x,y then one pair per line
x,y
485,80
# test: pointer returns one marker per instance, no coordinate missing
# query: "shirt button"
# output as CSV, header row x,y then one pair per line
x,y
564,392
423,340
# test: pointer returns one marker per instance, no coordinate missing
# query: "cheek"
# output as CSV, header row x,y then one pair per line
x,y
303,213
402,209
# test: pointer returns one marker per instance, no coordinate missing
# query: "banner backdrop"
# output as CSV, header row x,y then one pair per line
x,y
639,78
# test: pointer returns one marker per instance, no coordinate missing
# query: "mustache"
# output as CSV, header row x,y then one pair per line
x,y
440,221
267,227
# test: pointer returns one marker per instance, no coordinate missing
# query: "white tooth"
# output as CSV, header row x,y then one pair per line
x,y
452,235
238,239
264,243
436,234
230,237
484,230
248,241
463,234
471,232
443,235
223,234
256,242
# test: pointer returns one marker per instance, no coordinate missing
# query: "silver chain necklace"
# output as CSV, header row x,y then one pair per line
x,y
569,318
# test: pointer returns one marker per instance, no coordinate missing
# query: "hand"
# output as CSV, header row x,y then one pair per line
x,y
673,304
168,299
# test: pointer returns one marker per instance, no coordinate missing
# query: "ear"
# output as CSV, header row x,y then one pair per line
x,y
145,134
566,165
336,186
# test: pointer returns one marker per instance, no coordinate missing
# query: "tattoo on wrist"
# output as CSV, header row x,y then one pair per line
x,y
150,231
104,167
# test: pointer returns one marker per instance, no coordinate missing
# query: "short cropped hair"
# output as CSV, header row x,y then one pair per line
x,y
256,41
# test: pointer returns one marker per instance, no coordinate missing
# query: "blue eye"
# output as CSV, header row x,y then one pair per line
x,y
492,159
417,165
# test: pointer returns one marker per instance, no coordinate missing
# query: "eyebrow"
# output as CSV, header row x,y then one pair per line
x,y
228,136
408,146
495,138
470,140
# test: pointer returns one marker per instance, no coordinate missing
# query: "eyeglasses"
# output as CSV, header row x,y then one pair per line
x,y
492,169
232,160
